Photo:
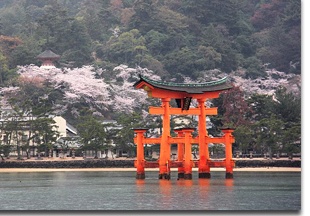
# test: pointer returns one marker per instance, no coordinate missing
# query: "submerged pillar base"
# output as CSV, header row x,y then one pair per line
x,y
180,175
140,176
204,175
229,176
188,176
164,176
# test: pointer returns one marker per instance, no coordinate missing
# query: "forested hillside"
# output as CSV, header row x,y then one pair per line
x,y
169,37
105,44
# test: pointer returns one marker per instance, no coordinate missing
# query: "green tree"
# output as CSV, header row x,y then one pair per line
x,y
277,121
291,141
144,13
269,133
13,19
26,53
45,134
254,67
93,134
291,16
156,42
244,138
288,109
54,27
11,129
211,57
245,44
6,131
34,98
261,105
109,15
217,37
212,11
183,61
78,45
128,48
4,70
32,103
287,106
125,136
281,21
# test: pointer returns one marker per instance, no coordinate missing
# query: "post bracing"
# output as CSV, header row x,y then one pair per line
x,y
183,95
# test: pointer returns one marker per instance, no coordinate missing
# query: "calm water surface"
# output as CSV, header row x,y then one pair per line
x,y
121,191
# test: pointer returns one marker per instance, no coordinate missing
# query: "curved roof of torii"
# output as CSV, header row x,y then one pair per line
x,y
190,88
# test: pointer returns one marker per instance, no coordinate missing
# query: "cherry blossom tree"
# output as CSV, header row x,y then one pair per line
x,y
84,86
77,85
126,98
101,92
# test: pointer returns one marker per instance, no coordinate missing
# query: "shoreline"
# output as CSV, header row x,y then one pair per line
x,y
243,169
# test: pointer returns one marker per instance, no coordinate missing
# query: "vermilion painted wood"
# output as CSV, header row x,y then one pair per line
x,y
165,92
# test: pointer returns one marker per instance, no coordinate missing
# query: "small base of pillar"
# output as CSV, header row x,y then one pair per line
x,y
180,175
204,175
229,176
164,176
140,176
188,176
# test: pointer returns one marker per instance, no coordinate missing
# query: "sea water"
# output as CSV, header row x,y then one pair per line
x,y
107,190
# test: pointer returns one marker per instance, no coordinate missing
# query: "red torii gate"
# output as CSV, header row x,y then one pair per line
x,y
183,94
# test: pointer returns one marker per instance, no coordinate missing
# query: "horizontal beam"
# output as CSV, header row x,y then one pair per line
x,y
152,140
195,163
182,140
216,163
179,111
215,139
174,140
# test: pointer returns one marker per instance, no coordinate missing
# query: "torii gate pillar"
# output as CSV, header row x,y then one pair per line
x,y
229,163
203,166
188,163
180,133
140,162
164,159
182,93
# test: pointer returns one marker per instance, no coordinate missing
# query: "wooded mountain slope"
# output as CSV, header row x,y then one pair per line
x,y
170,37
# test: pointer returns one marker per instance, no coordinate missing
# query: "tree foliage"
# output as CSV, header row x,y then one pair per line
x,y
104,45
93,134
235,34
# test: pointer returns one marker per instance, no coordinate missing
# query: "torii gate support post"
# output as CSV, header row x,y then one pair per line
x,y
164,157
180,153
229,140
203,166
188,164
140,162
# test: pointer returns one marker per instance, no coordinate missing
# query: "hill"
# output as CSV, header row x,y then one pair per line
x,y
174,38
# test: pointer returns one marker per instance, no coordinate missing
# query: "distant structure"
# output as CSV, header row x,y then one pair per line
x,y
183,94
47,58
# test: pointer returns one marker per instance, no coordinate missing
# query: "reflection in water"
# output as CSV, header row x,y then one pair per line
x,y
165,190
229,193
121,191
204,190
165,187
204,183
229,183
140,183
186,183
186,192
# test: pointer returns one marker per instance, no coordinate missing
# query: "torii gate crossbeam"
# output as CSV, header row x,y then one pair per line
x,y
183,94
